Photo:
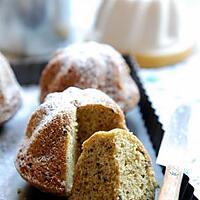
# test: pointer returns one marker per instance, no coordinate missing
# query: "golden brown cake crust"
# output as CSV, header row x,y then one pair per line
x,y
10,98
90,65
41,159
45,168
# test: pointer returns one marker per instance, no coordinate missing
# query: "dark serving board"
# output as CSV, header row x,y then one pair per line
x,y
154,128
142,121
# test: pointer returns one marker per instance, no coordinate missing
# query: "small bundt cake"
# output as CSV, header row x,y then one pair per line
x,y
113,165
90,65
56,131
10,98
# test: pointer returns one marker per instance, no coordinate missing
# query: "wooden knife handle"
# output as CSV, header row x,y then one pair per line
x,y
171,184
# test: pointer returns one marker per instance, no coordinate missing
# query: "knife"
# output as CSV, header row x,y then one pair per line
x,y
173,151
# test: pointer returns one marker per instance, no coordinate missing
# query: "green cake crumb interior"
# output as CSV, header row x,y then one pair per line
x,y
98,173
89,119
136,175
93,118
113,165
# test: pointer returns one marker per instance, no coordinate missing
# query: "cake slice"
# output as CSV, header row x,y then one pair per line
x,y
113,165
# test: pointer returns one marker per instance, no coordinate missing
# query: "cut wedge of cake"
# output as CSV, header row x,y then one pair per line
x,y
113,165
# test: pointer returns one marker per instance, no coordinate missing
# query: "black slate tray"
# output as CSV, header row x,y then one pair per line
x,y
155,129
28,72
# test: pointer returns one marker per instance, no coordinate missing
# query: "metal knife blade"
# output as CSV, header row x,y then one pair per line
x,y
172,153
173,148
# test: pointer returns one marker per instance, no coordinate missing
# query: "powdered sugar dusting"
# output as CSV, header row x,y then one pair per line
x,y
93,65
73,97
64,103
10,98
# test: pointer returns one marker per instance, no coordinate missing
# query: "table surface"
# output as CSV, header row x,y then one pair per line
x,y
171,86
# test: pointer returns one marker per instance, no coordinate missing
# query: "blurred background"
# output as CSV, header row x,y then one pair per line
x,y
34,27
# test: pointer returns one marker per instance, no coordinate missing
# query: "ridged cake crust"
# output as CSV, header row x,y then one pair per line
x,y
47,157
10,98
91,65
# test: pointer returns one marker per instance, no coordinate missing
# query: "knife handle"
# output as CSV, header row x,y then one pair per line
x,y
171,184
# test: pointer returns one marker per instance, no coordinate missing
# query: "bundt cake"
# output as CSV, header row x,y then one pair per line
x,y
10,98
90,65
113,165
56,131
156,32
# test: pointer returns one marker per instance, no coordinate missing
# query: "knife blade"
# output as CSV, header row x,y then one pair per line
x,y
173,151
